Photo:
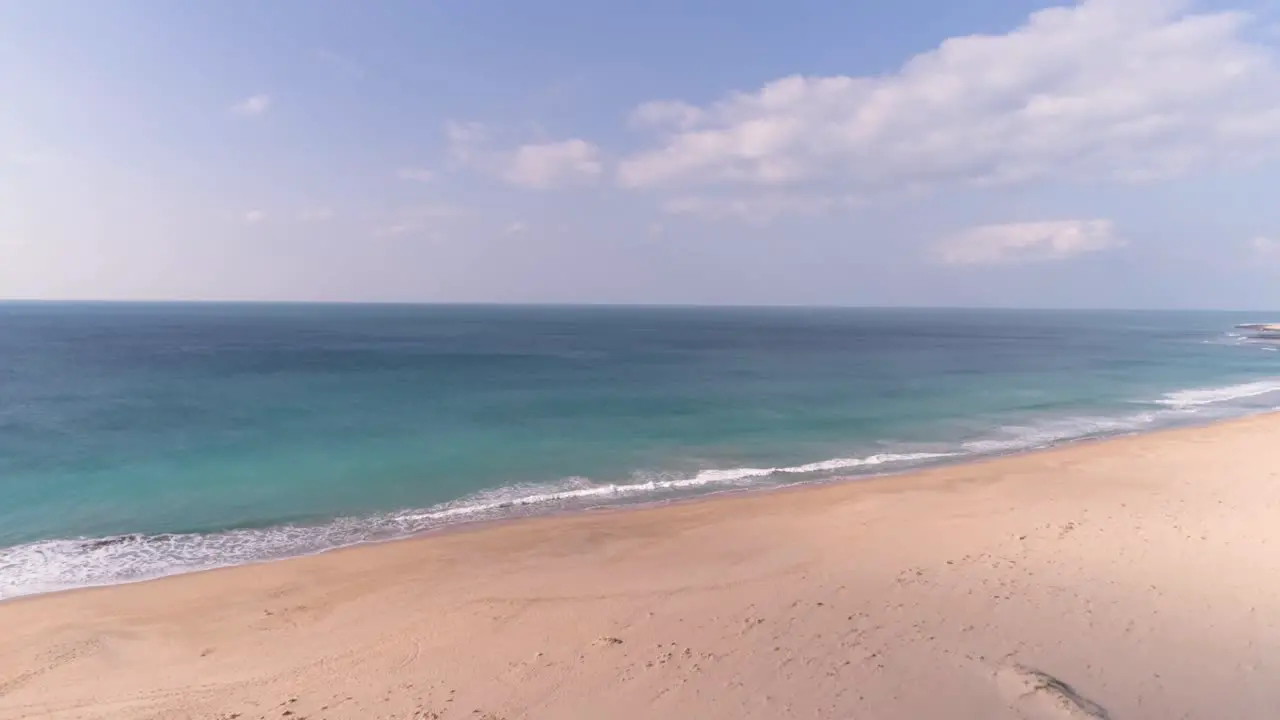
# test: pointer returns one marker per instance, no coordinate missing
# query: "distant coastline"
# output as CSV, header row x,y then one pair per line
x,y
1263,331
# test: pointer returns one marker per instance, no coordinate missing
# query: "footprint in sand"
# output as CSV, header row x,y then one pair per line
x,y
1040,696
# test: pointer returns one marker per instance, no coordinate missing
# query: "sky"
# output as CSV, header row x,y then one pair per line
x,y
1011,153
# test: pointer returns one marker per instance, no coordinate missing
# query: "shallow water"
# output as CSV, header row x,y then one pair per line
x,y
142,440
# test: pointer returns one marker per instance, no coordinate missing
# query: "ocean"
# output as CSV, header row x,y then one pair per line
x,y
141,440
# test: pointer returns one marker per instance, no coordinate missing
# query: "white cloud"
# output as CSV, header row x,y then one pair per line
x,y
1027,242
517,227
1265,245
1104,89
757,208
253,217
322,214
252,106
534,165
416,174
546,164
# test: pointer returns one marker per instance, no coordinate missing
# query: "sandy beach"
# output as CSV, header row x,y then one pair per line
x,y
1131,578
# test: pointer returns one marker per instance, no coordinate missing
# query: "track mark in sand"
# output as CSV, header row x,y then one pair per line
x,y
1045,695
412,656
51,660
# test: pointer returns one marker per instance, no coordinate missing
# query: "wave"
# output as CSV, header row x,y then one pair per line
x,y
53,565
720,476
1209,396
1047,433
1189,405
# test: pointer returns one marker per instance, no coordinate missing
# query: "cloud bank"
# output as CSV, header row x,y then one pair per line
x,y
1117,90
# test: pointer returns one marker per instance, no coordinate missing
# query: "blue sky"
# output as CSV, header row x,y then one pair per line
x,y
1107,153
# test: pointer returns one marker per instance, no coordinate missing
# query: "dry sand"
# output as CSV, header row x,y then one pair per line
x,y
1133,578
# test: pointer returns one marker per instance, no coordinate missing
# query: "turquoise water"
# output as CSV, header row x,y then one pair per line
x,y
143,440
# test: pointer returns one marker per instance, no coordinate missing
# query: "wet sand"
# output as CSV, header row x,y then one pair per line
x,y
1131,578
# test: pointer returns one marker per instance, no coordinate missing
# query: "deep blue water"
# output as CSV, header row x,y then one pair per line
x,y
140,440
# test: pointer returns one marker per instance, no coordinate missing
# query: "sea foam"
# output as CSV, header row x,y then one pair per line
x,y
1228,393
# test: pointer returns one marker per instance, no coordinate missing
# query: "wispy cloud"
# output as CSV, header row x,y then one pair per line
x,y
758,207
416,174
468,142
532,165
27,154
666,114
254,217
1267,246
421,220
340,64
517,227
543,165
1027,242
252,106
322,214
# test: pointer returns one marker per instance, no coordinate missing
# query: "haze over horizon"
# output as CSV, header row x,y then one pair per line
x,y
1263,314
1007,153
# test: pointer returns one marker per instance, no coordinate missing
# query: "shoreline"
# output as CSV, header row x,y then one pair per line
x,y
1129,574
941,464
1121,578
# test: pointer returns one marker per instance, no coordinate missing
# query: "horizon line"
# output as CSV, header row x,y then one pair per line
x,y
603,305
